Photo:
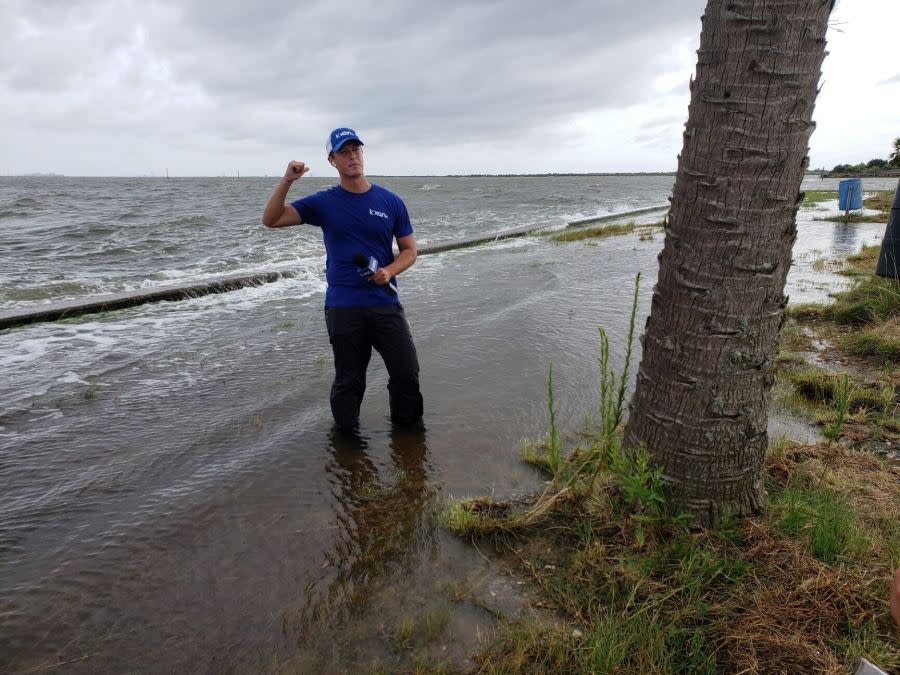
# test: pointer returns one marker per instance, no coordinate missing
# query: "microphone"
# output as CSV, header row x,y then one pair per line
x,y
367,266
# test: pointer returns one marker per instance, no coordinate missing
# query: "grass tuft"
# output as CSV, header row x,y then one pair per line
x,y
592,232
830,389
553,458
882,200
882,341
816,197
478,517
857,218
820,517
863,262
601,231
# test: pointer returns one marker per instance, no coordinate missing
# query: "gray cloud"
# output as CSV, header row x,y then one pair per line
x,y
408,71
891,80
666,121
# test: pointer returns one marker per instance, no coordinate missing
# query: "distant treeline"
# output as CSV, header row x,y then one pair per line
x,y
874,167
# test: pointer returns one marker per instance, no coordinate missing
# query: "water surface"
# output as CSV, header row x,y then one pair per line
x,y
174,498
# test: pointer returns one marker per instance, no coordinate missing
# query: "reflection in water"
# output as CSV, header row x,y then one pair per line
x,y
844,238
380,533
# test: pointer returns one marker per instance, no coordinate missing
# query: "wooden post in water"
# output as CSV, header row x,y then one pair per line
x,y
847,205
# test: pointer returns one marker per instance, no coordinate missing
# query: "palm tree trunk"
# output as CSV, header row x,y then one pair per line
x,y
700,401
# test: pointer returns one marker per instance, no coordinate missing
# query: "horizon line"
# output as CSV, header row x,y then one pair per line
x,y
372,175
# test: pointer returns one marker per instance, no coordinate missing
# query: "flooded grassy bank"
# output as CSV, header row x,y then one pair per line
x,y
617,583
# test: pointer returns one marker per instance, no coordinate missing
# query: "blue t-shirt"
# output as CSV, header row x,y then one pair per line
x,y
355,223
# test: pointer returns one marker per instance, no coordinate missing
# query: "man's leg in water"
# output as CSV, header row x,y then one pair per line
x,y
352,348
394,342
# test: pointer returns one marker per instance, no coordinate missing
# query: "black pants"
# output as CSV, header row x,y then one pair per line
x,y
353,331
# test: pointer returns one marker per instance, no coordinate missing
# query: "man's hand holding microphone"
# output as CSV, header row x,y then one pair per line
x,y
369,269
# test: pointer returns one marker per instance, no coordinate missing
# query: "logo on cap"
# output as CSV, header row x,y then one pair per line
x,y
340,136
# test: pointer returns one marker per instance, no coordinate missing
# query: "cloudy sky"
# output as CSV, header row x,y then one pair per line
x,y
136,87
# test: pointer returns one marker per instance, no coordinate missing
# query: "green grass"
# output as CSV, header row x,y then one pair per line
x,y
612,398
619,624
816,197
820,517
878,201
403,634
794,337
600,231
842,391
553,456
827,388
862,263
476,517
808,311
871,299
882,200
435,621
597,232
872,305
857,218
863,641
670,600
873,343
539,456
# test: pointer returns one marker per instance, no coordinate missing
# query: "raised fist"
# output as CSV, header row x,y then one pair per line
x,y
295,170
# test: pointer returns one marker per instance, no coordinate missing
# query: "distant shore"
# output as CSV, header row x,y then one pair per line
x,y
376,175
891,173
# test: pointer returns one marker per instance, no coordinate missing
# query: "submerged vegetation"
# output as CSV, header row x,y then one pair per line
x,y
621,584
816,197
879,201
598,232
863,320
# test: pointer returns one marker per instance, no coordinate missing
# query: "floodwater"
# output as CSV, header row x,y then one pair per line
x,y
174,498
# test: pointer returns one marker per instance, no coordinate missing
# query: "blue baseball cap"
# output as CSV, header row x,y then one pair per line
x,y
340,136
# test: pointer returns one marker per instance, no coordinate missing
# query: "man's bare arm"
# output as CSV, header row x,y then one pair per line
x,y
278,213
404,260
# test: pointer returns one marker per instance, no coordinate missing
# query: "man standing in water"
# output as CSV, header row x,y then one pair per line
x,y
359,222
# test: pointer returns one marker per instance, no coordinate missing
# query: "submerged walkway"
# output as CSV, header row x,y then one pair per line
x,y
106,303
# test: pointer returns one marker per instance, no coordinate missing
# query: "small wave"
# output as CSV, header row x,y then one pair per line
x,y
96,228
429,186
7,213
26,201
190,220
27,351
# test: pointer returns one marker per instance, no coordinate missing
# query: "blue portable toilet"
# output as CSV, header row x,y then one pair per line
x,y
850,192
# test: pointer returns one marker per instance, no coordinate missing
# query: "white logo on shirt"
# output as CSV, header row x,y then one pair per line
x,y
380,214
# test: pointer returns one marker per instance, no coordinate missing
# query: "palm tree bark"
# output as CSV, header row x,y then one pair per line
x,y
700,400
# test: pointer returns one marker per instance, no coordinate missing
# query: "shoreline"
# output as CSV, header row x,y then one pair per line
x,y
584,552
